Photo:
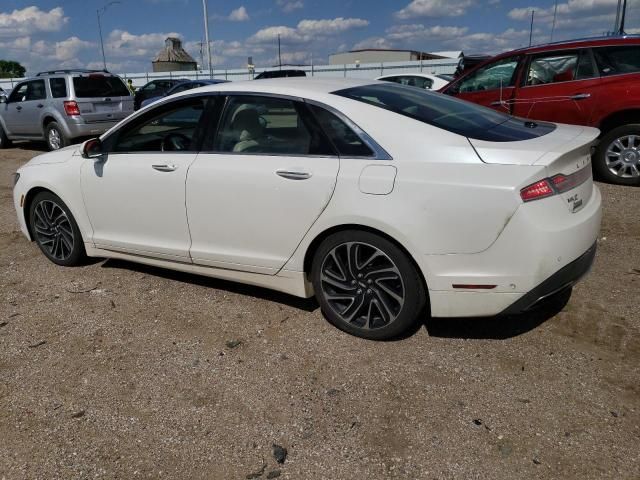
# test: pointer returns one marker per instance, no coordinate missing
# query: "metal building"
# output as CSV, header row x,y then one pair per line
x,y
379,55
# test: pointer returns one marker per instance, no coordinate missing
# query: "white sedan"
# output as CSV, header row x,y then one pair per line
x,y
420,80
387,202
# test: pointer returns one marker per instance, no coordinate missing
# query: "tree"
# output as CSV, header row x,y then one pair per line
x,y
11,69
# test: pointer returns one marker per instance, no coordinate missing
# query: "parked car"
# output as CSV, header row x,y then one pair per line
x,y
63,105
420,80
280,74
469,62
385,200
181,87
155,88
593,82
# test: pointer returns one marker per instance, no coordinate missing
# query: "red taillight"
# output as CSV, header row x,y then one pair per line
x,y
71,108
557,184
536,191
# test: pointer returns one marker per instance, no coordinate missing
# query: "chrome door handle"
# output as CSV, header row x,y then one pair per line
x,y
293,175
165,168
40,105
18,107
580,96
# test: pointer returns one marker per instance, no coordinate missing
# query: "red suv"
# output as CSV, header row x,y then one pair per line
x,y
594,82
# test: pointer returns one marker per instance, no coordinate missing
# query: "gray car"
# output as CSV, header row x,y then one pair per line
x,y
60,106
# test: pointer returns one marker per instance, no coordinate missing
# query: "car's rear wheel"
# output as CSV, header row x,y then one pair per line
x,y
366,285
55,137
55,230
4,140
617,158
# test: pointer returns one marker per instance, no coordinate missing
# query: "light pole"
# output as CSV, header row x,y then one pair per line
x,y
99,12
206,36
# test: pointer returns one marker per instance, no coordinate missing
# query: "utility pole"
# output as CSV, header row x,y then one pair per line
x,y
531,30
99,12
206,37
279,56
555,14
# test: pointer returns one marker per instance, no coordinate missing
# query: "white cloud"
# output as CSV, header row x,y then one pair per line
x,y
330,27
307,30
31,20
289,6
373,42
121,44
433,8
239,15
418,32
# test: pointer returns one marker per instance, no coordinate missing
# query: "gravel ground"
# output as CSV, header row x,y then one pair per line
x,y
115,370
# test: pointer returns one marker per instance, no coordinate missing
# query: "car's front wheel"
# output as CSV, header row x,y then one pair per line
x,y
55,137
55,230
617,158
366,285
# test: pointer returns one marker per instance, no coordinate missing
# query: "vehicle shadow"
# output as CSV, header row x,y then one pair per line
x,y
39,146
306,304
478,328
498,327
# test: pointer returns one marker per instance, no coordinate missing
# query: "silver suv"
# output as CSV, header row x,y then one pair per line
x,y
62,105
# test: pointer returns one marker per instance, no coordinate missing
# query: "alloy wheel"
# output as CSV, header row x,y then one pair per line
x,y
623,156
54,139
362,285
53,230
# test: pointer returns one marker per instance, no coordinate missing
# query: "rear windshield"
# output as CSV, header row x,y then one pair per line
x,y
99,86
451,114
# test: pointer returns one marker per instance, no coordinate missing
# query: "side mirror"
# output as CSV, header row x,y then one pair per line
x,y
3,98
92,148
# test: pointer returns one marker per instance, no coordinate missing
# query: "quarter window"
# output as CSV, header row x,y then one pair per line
x,y
273,126
346,141
618,60
496,75
172,128
58,87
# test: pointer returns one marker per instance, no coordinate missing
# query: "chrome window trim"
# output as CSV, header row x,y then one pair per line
x,y
379,152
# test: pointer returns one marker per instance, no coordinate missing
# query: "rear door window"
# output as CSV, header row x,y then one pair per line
x,y
58,87
36,90
93,86
556,67
618,60
272,126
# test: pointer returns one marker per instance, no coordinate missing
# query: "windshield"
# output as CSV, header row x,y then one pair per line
x,y
99,86
447,113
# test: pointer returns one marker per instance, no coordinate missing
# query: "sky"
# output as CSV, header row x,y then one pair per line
x,y
47,34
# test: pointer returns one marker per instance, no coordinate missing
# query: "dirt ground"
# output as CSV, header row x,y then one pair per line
x,y
115,370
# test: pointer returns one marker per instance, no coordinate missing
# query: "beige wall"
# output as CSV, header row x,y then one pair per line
x,y
370,57
172,66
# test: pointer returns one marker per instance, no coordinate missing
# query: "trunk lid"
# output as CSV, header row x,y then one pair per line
x,y
564,152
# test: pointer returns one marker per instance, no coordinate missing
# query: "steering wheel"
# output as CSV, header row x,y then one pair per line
x,y
175,142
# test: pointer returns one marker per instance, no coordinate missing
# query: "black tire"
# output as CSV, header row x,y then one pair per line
x,y
361,296
52,132
602,162
4,140
55,230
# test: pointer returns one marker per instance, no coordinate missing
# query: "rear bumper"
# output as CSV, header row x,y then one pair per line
x,y
542,249
88,129
564,278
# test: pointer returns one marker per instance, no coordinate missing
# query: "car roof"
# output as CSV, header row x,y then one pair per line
x,y
292,86
413,74
576,43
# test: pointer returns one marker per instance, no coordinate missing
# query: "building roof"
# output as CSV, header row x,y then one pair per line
x,y
449,54
173,52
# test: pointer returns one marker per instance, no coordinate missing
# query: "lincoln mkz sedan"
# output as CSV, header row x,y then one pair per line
x,y
387,202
